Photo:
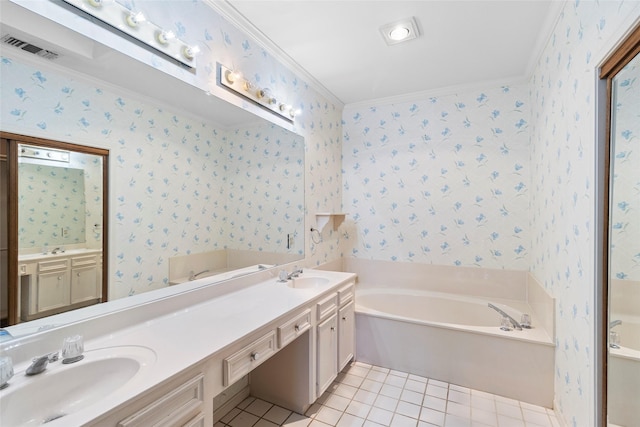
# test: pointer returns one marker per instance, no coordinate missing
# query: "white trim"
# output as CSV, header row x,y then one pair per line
x,y
237,19
618,37
613,43
556,8
447,90
70,73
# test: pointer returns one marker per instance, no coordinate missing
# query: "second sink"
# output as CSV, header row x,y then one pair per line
x,y
306,282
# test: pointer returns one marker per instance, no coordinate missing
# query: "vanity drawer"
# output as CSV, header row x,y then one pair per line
x,y
327,306
54,264
178,407
294,327
242,362
83,261
345,294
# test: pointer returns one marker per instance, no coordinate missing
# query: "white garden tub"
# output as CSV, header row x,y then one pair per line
x,y
624,374
457,339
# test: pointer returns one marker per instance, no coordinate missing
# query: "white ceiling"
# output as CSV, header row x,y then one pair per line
x,y
462,43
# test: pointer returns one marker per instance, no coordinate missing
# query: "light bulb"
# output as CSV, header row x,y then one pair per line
x,y
95,3
231,76
399,33
134,19
189,52
164,37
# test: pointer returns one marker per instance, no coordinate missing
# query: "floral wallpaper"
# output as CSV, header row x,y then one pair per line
x,y
563,105
499,177
263,189
73,202
166,193
442,180
625,194
59,216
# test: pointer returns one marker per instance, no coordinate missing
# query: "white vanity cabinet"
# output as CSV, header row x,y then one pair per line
x,y
85,283
326,343
346,326
182,405
53,284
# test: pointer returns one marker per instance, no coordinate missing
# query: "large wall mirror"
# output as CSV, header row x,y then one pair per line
x,y
622,279
201,190
57,220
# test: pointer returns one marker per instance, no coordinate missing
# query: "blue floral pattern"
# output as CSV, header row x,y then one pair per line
x,y
563,103
625,194
167,182
443,180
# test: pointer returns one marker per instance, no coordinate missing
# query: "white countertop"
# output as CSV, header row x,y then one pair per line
x,y
67,253
188,336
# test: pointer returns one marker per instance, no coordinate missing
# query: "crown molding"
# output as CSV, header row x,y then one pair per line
x,y
429,93
231,14
544,35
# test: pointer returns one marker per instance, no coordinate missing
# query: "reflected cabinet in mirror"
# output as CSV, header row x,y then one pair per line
x,y
623,229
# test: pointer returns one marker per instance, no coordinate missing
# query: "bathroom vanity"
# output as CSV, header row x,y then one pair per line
x,y
59,281
188,358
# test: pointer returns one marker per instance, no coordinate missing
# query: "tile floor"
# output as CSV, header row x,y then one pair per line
x,y
370,396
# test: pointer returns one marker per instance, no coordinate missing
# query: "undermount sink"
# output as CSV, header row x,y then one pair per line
x,y
64,389
307,282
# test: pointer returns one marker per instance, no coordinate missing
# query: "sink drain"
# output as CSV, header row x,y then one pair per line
x,y
53,418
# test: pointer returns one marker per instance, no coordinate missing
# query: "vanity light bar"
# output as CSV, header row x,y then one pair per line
x,y
43,153
134,24
234,81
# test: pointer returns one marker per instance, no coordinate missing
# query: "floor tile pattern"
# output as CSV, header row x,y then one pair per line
x,y
370,396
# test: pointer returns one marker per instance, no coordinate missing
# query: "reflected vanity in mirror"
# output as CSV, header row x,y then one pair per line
x,y
622,289
60,217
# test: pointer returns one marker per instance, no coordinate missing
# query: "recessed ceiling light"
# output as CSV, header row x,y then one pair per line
x,y
400,31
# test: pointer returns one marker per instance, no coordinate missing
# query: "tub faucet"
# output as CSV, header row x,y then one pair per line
x,y
515,324
194,276
615,323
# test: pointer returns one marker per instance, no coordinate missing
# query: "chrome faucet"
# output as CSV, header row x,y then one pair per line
x,y
39,364
295,273
284,276
194,276
59,249
615,323
515,324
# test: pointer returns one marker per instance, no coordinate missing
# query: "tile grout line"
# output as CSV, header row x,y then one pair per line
x,y
382,378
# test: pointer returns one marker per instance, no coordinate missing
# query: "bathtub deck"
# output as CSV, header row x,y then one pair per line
x,y
370,396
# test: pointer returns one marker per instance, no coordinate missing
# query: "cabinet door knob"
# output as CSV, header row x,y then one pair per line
x,y
255,355
344,317
333,328
297,328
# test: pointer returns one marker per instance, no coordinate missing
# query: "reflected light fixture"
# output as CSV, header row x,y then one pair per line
x,y
235,82
400,31
135,24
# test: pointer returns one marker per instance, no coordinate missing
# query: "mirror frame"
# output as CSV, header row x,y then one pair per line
x,y
11,141
616,61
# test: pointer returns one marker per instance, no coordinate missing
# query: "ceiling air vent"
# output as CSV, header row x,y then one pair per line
x,y
20,44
